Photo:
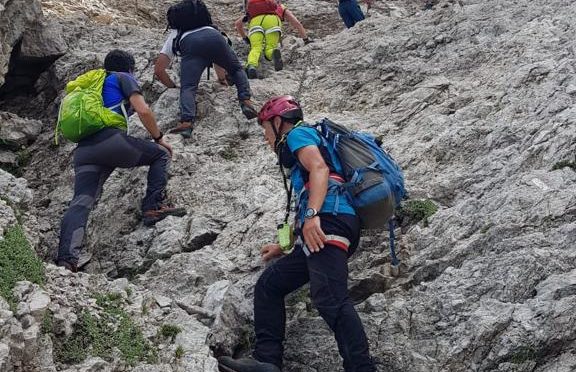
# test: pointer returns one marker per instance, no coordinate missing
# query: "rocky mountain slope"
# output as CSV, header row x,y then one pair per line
x,y
474,99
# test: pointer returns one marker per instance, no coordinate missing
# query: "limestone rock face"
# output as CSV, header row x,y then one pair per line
x,y
22,26
474,99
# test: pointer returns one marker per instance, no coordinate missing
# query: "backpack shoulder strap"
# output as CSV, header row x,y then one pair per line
x,y
176,43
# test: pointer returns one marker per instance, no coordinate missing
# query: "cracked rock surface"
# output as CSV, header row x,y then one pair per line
x,y
474,99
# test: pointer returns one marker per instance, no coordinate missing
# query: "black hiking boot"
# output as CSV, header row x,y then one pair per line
x,y
277,58
228,364
183,129
150,217
248,109
68,265
229,80
251,72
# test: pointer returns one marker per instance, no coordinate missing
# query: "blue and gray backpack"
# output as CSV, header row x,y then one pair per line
x,y
373,183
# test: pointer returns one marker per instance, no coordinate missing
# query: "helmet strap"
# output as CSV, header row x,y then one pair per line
x,y
279,139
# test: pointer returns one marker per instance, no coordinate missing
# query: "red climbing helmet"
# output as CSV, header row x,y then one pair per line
x,y
283,106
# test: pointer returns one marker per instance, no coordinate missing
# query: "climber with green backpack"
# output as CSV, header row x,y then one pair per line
x,y
342,181
94,114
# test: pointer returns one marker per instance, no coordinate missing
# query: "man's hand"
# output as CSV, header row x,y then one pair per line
x,y
270,251
313,235
166,145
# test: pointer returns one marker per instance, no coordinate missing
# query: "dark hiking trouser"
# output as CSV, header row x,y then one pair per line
x,y
199,50
94,160
350,12
327,272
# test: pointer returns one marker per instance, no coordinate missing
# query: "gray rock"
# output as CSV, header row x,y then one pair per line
x,y
5,364
163,301
18,131
31,340
38,303
7,217
64,321
94,365
153,368
8,158
27,34
14,189
475,105
119,286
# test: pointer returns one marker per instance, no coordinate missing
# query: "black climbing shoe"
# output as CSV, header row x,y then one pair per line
x,y
228,364
277,58
251,72
150,217
248,109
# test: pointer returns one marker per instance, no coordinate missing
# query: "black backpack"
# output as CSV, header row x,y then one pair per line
x,y
185,16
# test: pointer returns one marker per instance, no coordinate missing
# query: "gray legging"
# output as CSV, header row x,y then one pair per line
x,y
94,160
200,49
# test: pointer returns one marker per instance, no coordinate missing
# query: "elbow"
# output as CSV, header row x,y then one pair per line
x,y
145,113
322,169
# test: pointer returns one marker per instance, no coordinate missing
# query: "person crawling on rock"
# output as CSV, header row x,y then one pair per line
x,y
330,232
98,154
264,18
194,37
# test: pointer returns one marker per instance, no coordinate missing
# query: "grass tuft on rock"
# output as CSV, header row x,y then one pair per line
x,y
179,352
99,333
18,261
418,210
565,164
169,331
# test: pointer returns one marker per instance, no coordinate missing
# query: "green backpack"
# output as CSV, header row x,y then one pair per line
x,y
82,112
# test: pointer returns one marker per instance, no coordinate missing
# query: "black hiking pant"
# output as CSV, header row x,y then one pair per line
x,y
94,160
327,272
199,50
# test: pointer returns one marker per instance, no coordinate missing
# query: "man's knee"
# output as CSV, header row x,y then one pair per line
x,y
270,285
82,201
263,287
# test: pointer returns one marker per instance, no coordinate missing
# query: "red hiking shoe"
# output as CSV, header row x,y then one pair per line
x,y
150,217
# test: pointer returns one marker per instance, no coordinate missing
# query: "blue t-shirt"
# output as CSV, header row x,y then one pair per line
x,y
335,201
118,87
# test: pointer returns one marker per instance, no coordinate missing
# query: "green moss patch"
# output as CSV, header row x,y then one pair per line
x,y
100,333
18,261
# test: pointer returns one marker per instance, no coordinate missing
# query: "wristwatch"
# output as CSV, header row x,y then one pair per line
x,y
157,139
310,213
